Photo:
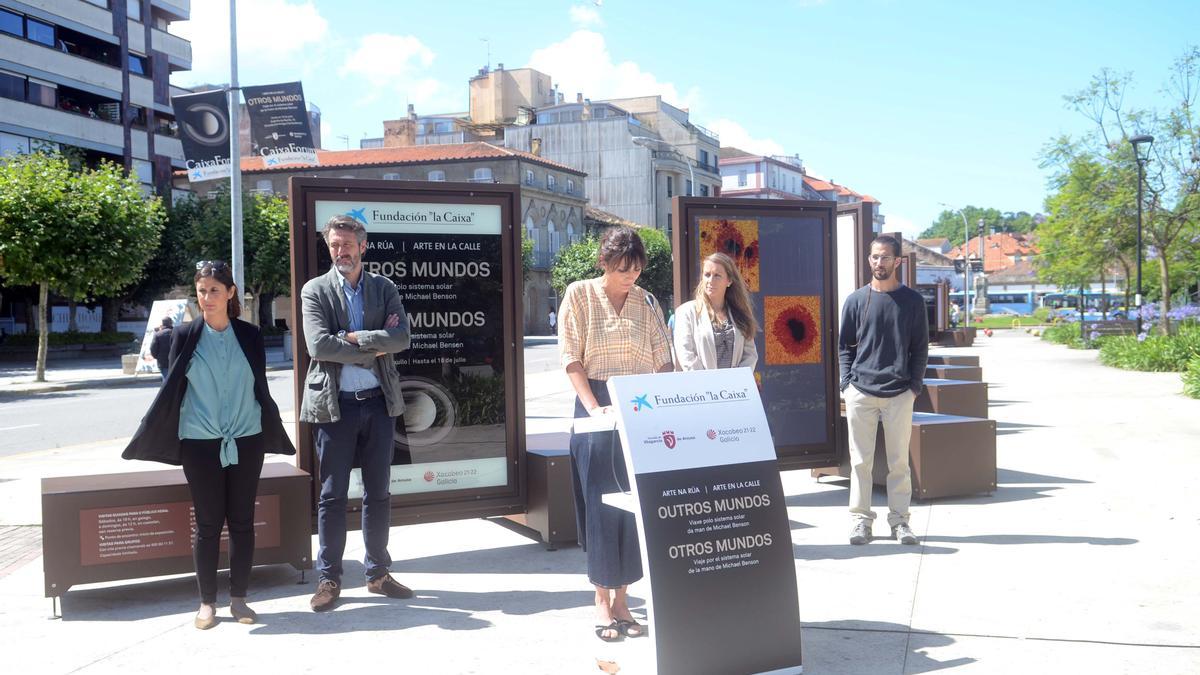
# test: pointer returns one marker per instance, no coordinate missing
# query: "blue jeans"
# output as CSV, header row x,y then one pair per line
x,y
364,436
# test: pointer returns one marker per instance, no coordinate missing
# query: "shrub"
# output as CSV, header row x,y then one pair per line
x,y
1155,353
1191,378
1042,314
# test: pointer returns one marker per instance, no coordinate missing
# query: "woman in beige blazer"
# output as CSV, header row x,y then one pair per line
x,y
716,329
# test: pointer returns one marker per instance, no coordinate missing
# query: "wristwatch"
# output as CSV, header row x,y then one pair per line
x,y
342,334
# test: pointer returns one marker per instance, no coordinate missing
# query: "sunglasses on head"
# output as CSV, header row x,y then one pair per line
x,y
214,264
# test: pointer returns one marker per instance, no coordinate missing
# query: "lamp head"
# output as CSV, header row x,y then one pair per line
x,y
1141,138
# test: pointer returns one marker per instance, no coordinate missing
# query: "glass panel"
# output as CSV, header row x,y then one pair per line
x,y
12,86
437,175
11,144
11,23
41,94
484,173
138,65
41,33
134,9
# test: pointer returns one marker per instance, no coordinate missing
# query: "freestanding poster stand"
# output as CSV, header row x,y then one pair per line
x,y
713,525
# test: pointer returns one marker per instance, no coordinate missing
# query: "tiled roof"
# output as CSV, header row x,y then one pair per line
x,y
869,198
606,218
818,184
999,250
416,154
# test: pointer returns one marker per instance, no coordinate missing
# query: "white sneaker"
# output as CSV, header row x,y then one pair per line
x,y
861,532
902,533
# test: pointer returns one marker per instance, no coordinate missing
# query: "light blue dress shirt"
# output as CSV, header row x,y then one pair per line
x,y
219,401
355,378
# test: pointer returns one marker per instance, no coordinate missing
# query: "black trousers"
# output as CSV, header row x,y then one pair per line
x,y
220,496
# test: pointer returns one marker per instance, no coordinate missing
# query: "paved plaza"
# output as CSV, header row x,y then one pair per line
x,y
1083,560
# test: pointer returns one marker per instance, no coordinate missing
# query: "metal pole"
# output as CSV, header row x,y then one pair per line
x,y
688,164
966,268
235,155
1138,298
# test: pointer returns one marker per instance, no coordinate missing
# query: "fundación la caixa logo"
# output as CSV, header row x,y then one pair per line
x,y
640,402
358,214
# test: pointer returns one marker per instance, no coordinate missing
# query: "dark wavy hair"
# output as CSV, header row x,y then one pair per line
x,y
220,272
621,248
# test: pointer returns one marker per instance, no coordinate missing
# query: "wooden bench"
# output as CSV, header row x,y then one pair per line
x,y
119,526
550,503
946,372
953,360
953,397
949,455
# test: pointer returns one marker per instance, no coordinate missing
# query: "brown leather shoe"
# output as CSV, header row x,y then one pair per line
x,y
326,596
386,585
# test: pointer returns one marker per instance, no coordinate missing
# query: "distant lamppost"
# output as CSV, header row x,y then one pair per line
x,y
966,264
1141,162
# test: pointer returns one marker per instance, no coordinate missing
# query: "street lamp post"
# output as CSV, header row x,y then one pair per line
x,y
1135,142
966,266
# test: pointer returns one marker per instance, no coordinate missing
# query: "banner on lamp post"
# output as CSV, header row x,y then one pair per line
x,y
279,128
204,131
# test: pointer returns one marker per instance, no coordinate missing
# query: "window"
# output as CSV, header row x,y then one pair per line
x,y
482,175
670,186
529,177
421,129
668,223
144,171
703,190
690,191
11,144
263,185
741,178
134,9
391,176
12,86
139,65
41,33
11,23
703,158
444,127
42,93
570,186
437,175
551,181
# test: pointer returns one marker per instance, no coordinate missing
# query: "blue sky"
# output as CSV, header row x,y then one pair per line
x,y
913,102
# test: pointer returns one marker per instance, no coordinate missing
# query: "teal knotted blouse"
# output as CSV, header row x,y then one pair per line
x,y
219,401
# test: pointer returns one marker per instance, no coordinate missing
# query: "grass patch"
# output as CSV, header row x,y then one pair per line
x,y
999,321
1191,378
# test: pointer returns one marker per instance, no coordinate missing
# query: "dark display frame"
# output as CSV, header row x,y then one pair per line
x,y
686,244
480,502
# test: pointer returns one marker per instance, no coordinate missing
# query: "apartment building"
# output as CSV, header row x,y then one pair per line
x,y
94,75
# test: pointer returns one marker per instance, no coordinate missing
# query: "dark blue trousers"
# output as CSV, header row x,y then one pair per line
x,y
609,535
364,436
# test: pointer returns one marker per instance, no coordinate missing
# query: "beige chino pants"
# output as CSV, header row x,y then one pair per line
x,y
864,413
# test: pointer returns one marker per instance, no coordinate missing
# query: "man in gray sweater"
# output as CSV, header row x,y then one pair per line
x,y
883,348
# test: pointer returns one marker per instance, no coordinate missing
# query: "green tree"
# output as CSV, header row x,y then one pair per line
x,y
265,239
578,261
84,233
1172,171
949,223
1090,229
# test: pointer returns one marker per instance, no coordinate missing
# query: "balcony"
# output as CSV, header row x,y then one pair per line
x,y
707,132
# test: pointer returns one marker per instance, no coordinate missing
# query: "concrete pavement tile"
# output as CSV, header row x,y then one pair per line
x,y
978,654
864,648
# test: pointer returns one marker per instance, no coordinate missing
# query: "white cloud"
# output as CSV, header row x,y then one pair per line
x,y
393,63
734,134
584,16
582,63
271,33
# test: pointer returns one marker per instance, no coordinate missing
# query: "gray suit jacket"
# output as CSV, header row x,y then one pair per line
x,y
325,314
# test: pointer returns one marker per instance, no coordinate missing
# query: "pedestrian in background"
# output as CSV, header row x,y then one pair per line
x,y
214,415
716,329
353,323
160,345
609,329
553,322
883,348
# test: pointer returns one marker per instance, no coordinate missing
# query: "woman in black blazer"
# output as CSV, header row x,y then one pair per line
x,y
214,416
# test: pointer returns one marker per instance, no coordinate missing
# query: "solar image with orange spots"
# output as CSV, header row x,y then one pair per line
x,y
736,238
792,329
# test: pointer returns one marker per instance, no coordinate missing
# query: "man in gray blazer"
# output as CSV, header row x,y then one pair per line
x,y
353,323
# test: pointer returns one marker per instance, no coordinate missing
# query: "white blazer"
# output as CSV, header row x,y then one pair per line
x,y
695,345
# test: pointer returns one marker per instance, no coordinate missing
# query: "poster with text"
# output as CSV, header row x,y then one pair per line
x,y
446,262
279,125
204,132
714,528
